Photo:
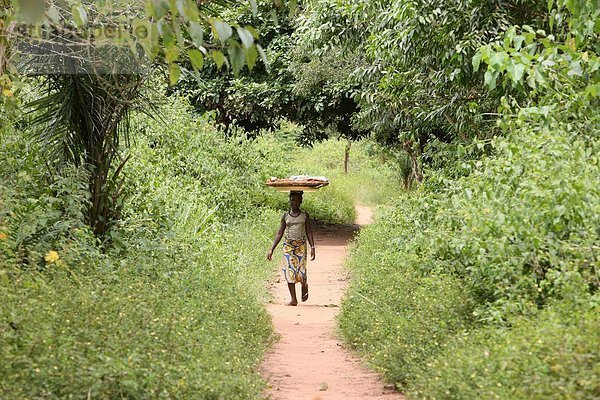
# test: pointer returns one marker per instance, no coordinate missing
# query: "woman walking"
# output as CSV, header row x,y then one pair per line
x,y
295,225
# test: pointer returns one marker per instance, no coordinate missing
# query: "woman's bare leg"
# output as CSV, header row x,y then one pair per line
x,y
294,301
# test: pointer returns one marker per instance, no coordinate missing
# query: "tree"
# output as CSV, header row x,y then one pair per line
x,y
96,57
417,83
252,100
313,92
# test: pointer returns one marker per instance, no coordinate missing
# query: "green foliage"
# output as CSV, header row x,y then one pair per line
x,y
170,320
256,99
393,312
508,223
84,115
552,356
172,308
37,216
141,32
313,92
81,122
414,82
517,233
323,88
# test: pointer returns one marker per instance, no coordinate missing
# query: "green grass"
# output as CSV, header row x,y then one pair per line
x,y
552,356
371,178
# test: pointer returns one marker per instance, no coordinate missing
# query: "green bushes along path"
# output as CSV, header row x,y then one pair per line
x,y
485,286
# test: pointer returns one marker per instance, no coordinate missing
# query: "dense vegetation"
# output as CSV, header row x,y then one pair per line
x,y
484,282
133,225
170,303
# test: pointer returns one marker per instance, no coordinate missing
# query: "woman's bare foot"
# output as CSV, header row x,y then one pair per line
x,y
292,303
305,292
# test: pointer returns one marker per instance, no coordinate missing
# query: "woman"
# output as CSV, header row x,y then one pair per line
x,y
295,224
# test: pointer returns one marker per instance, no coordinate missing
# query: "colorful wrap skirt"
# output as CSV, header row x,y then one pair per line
x,y
294,260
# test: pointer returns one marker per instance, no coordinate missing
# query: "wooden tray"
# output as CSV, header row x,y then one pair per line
x,y
296,188
300,185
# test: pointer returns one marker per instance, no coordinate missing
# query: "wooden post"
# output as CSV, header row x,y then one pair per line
x,y
347,154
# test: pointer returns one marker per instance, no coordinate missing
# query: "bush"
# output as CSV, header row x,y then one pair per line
x,y
171,308
487,250
159,323
552,356
393,313
38,213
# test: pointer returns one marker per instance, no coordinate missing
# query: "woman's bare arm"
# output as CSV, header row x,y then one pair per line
x,y
278,237
309,235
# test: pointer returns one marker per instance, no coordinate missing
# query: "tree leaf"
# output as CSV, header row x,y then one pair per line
x,y
222,30
519,70
245,36
575,69
263,56
236,56
252,31
79,16
54,14
218,58
293,5
254,7
490,79
196,33
174,73
518,41
166,33
498,60
171,54
251,57
196,58
476,61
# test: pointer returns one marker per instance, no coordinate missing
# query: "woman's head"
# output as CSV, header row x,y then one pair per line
x,y
295,199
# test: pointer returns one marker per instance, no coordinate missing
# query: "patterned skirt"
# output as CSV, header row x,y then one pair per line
x,y
294,260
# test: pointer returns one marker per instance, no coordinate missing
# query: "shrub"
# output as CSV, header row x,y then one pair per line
x,y
482,251
552,356
170,308
393,313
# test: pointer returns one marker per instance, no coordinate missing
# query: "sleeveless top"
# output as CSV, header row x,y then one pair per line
x,y
295,227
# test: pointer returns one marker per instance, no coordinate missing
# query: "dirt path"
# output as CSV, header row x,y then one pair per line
x,y
309,362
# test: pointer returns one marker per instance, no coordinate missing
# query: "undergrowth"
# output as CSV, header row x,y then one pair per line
x,y
484,284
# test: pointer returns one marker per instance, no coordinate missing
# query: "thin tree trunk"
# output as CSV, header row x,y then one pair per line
x,y
347,154
414,153
415,160
5,32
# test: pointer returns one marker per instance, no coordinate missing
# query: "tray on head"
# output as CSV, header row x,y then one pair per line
x,y
302,183
295,188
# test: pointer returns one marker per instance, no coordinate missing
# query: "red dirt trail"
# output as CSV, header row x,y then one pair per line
x,y
308,361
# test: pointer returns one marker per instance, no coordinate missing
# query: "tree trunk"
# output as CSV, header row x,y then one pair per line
x,y
5,32
347,154
415,160
414,153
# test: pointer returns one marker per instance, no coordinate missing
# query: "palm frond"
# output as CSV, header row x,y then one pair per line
x,y
84,120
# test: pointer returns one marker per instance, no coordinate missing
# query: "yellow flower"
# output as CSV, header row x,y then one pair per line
x,y
3,236
51,256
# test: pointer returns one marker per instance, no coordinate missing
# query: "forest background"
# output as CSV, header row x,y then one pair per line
x,y
134,219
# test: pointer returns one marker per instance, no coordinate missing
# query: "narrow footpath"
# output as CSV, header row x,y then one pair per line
x,y
309,361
